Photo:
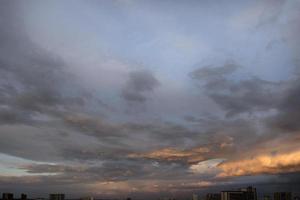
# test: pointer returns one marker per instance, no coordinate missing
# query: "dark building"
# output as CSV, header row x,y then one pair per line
x,y
267,197
282,196
23,196
7,196
233,195
250,193
87,198
56,197
213,196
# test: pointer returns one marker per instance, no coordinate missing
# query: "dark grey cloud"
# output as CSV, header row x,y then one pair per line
x,y
49,168
287,119
237,96
21,141
83,154
128,136
139,84
33,80
91,125
110,170
13,116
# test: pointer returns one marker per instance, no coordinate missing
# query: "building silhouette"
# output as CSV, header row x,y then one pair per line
x,y
7,196
213,196
56,197
248,193
23,196
282,196
233,195
87,198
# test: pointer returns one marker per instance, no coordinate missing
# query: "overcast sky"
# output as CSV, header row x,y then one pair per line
x,y
149,98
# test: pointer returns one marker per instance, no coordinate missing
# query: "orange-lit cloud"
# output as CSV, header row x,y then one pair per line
x,y
194,155
262,164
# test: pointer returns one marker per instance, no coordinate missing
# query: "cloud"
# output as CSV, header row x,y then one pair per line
x,y
33,80
288,116
140,83
237,96
130,136
206,167
275,155
108,170
27,142
50,168
91,125
173,155
281,162
256,17
235,124
216,73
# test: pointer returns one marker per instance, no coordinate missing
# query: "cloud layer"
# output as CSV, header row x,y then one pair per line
x,y
148,98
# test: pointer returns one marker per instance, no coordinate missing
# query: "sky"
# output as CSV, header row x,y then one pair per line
x,y
149,99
